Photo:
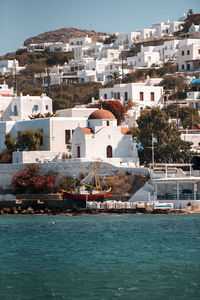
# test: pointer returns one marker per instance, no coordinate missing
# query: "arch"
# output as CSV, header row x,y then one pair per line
x,y
109,151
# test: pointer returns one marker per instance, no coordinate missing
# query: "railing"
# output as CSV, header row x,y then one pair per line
x,y
173,196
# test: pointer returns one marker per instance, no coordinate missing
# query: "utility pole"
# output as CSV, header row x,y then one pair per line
x,y
122,64
48,80
176,113
152,147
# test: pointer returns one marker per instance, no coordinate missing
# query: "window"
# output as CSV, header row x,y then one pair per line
x,y
199,51
188,67
141,96
67,136
107,123
188,52
152,96
182,53
118,96
47,107
182,67
126,96
109,151
35,107
15,110
105,96
78,152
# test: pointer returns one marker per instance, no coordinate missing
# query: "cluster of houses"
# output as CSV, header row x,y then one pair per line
x,y
82,133
88,133
97,61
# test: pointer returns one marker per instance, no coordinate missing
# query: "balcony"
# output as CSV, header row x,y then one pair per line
x,y
173,196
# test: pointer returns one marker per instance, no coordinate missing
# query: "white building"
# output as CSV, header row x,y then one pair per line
x,y
64,47
140,93
57,132
40,47
79,42
10,67
127,39
192,136
102,139
77,112
5,91
189,55
19,108
144,59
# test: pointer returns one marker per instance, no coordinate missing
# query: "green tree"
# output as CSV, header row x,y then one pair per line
x,y
172,82
170,147
29,139
114,76
111,39
189,117
10,142
135,131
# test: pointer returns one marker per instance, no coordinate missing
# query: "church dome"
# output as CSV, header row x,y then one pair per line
x,y
101,114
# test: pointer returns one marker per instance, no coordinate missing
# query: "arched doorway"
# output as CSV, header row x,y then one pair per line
x,y
109,151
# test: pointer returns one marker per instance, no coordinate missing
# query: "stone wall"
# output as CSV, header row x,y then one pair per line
x,y
65,168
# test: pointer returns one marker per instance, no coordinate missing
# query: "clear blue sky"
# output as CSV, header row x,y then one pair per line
x,y
21,19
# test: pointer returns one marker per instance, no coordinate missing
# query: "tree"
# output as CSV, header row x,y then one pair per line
x,y
114,76
170,147
29,139
172,82
116,108
10,142
189,117
111,39
135,131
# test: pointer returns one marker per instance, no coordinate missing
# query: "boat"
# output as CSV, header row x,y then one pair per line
x,y
86,191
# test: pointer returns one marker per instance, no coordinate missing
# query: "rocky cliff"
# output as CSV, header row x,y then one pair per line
x,y
63,35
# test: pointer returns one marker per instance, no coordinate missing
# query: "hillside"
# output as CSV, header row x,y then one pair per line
x,y
63,35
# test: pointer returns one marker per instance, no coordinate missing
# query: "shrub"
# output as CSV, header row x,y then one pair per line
x,y
29,181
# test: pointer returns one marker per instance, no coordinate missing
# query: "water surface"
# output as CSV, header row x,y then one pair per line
x,y
100,257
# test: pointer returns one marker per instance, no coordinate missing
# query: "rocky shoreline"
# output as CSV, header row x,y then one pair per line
x,y
84,211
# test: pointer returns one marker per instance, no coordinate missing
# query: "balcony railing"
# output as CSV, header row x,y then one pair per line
x,y
173,196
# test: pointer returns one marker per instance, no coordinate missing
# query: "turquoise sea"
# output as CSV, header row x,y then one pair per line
x,y
100,257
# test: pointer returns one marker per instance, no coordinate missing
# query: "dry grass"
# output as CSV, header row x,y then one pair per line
x,y
125,184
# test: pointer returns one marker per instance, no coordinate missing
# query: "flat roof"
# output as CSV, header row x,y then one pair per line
x,y
174,179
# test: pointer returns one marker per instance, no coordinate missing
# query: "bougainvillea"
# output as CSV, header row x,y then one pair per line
x,y
29,181
116,108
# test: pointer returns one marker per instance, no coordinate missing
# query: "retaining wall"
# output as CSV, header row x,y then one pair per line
x,y
67,168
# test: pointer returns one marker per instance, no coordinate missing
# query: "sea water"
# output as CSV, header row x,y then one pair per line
x,y
100,257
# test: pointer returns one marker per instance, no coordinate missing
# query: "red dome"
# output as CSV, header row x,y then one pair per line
x,y
101,114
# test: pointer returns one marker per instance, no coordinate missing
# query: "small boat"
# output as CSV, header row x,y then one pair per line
x,y
86,191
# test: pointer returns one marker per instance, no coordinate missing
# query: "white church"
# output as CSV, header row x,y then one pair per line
x,y
103,140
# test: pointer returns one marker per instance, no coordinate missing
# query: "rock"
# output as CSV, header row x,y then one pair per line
x,y
30,210
14,210
7,210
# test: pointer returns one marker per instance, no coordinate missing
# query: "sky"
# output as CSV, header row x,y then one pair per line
x,y
22,19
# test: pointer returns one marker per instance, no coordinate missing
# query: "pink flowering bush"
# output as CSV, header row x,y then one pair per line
x,y
29,181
